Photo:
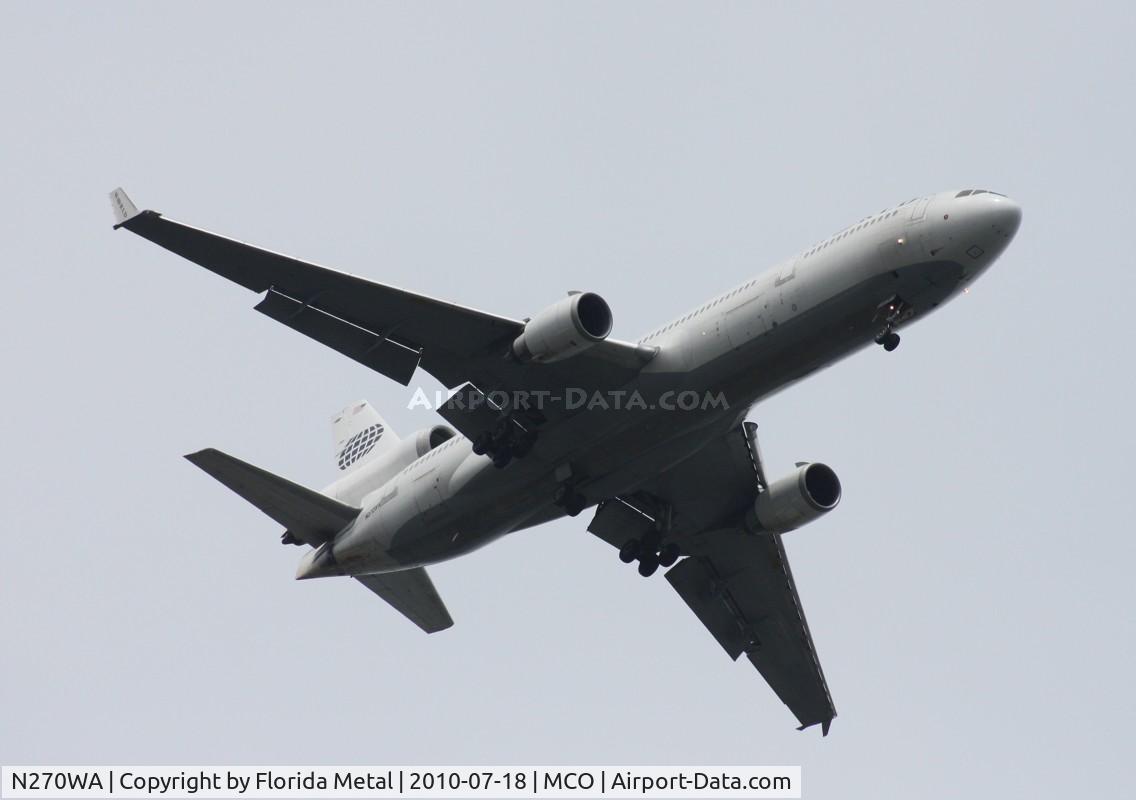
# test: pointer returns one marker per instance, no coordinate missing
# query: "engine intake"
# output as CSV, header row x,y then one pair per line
x,y
564,329
795,500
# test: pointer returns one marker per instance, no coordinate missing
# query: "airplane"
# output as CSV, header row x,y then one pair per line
x,y
550,415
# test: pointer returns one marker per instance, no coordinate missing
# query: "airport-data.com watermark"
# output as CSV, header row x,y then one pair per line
x,y
571,399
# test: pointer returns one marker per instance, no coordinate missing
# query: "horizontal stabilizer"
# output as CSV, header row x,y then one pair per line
x,y
309,515
413,595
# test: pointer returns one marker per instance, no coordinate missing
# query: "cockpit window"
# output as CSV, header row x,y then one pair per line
x,y
966,192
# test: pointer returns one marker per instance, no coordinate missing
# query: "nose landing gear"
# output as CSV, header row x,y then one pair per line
x,y
889,339
892,311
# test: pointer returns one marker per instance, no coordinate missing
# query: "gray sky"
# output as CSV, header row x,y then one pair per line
x,y
971,599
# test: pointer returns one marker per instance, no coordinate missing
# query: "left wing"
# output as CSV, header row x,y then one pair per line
x,y
390,330
737,583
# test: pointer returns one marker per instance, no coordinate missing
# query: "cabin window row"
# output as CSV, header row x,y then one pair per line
x,y
694,314
844,234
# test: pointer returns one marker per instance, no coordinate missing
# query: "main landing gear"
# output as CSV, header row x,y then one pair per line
x,y
649,549
569,499
503,442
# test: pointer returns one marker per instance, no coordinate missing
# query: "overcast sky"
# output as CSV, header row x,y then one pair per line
x,y
971,599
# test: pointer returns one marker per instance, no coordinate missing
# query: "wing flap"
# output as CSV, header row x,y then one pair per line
x,y
366,304
398,362
470,412
615,522
412,594
698,585
455,344
739,585
309,515
741,588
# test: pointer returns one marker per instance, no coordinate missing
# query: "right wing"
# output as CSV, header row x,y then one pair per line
x,y
390,330
741,588
737,583
413,595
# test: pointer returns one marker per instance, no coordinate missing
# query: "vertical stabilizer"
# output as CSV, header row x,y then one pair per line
x,y
360,434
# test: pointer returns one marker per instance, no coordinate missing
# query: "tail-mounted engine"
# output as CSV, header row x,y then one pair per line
x,y
564,329
795,500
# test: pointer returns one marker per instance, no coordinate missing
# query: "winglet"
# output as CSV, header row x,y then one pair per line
x,y
825,724
123,208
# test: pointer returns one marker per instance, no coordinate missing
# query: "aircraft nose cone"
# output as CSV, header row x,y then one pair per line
x,y
981,225
1005,215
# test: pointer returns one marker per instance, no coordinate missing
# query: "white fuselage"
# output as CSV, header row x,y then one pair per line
x,y
803,314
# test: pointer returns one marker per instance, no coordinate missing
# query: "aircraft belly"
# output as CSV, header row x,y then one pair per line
x,y
462,503
792,345
459,507
824,332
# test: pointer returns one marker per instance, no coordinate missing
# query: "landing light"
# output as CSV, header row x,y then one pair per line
x,y
900,240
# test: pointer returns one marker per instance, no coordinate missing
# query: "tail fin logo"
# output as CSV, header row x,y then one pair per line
x,y
359,445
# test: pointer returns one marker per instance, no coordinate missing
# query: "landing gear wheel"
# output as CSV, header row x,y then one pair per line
x,y
502,459
574,504
501,429
481,444
668,555
630,551
523,445
890,341
648,564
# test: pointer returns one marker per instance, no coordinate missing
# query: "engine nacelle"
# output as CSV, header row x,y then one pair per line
x,y
429,438
407,451
795,500
564,329
354,486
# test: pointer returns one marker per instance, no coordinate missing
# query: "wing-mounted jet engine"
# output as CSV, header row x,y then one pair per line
x,y
564,329
797,499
